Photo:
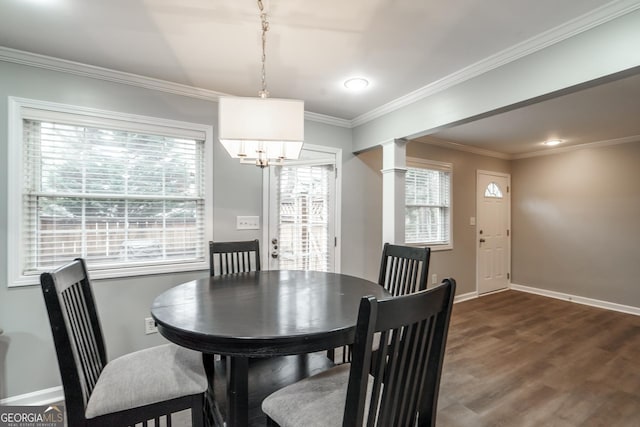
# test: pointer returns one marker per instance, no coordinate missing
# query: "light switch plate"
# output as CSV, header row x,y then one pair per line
x,y
248,223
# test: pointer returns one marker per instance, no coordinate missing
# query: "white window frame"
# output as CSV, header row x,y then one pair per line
x,y
18,110
417,163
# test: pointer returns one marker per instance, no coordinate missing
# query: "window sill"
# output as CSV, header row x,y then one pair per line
x,y
434,248
123,272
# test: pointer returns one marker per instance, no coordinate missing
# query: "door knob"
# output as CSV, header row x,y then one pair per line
x,y
482,240
274,254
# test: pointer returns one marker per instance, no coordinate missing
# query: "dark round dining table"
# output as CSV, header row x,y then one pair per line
x,y
261,314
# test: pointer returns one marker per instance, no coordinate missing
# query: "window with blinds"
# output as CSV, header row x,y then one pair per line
x,y
304,199
428,203
124,196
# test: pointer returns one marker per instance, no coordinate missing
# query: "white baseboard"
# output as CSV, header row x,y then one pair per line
x,y
473,295
578,299
35,398
465,297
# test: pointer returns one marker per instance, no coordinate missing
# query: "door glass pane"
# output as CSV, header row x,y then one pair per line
x,y
304,209
493,190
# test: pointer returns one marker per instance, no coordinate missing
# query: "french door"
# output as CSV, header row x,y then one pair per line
x,y
302,212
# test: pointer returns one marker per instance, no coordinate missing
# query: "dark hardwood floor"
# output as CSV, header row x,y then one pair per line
x,y
516,359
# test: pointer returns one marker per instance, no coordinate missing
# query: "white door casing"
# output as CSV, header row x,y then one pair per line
x,y
493,239
301,212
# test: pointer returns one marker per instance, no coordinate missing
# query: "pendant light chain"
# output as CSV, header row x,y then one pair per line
x,y
264,93
261,130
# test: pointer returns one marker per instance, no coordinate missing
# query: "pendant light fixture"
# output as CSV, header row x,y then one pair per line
x,y
262,131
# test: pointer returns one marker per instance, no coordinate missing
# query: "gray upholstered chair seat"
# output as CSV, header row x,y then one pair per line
x,y
317,401
147,376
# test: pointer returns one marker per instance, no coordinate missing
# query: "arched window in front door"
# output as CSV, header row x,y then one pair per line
x,y
493,190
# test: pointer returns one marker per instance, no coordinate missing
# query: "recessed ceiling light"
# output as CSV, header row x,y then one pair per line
x,y
356,83
553,142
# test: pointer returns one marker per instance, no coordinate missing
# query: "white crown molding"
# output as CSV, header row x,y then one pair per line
x,y
461,147
578,299
328,120
76,68
595,144
549,152
84,70
596,17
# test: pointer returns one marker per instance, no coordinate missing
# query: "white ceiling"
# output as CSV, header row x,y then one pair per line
x,y
313,46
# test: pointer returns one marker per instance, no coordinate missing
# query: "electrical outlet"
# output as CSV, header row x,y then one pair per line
x,y
150,326
434,278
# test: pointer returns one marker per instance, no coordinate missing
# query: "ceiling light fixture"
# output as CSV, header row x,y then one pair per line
x,y
553,142
262,131
356,83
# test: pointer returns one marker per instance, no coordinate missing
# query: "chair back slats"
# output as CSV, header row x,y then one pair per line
x,y
234,257
84,340
418,381
76,332
403,269
406,372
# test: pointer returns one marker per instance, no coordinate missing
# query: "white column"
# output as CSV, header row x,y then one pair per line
x,y
394,169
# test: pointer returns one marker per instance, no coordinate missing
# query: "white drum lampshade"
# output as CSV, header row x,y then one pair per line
x,y
261,129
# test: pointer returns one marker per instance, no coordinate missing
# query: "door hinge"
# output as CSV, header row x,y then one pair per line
x,y
507,188
335,241
508,276
336,169
507,232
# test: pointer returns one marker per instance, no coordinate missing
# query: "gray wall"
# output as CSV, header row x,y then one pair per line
x,y
368,192
575,223
356,185
27,358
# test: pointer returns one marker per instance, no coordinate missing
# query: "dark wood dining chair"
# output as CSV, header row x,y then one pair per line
x,y
403,270
401,391
234,257
149,384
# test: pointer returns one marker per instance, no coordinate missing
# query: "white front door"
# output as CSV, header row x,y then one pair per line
x,y
493,231
302,214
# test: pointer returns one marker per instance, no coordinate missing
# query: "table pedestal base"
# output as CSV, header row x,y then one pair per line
x,y
263,376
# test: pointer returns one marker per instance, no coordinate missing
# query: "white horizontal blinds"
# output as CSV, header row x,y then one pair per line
x,y
115,197
304,204
427,193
